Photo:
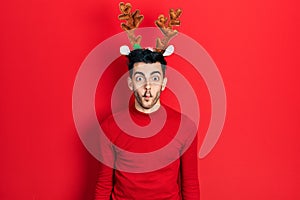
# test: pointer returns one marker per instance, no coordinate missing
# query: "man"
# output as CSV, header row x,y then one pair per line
x,y
171,175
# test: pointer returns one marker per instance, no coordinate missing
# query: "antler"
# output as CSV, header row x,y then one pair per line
x,y
167,28
133,21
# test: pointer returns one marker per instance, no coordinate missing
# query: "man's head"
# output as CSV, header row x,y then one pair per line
x,y
147,78
145,56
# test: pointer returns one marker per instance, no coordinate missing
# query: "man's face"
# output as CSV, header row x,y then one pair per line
x,y
147,82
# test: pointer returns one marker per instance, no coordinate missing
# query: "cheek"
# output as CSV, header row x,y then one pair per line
x,y
156,88
137,87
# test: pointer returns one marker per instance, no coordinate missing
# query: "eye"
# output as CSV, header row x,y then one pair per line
x,y
155,78
139,78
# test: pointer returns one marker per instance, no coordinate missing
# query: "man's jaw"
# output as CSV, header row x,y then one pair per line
x,y
146,97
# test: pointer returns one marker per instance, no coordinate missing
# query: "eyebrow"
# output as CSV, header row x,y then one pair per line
x,y
158,72
141,73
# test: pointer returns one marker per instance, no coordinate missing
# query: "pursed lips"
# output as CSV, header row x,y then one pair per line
x,y
147,95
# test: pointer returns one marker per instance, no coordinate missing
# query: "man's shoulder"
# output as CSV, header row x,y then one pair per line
x,y
110,126
112,120
174,113
111,117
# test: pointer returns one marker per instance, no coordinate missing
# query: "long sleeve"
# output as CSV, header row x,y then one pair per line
x,y
105,183
189,173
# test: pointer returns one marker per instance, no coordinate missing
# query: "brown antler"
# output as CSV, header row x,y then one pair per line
x,y
133,21
167,28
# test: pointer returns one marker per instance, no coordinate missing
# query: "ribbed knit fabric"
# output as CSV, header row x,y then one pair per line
x,y
175,179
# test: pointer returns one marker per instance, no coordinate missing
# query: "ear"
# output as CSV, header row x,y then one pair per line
x,y
164,83
129,83
124,50
169,51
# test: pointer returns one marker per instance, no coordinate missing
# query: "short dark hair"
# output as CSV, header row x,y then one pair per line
x,y
146,56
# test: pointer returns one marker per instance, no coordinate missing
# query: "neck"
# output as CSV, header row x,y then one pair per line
x,y
147,110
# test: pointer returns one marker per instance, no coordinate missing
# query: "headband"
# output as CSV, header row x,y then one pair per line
x,y
133,20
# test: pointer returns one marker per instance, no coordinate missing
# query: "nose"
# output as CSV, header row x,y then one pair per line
x,y
148,86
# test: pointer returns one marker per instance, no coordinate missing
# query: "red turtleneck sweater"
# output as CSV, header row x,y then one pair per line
x,y
170,174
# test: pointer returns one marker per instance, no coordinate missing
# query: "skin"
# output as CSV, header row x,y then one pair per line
x,y
147,83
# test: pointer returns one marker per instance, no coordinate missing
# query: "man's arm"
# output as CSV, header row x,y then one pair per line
x,y
189,173
105,183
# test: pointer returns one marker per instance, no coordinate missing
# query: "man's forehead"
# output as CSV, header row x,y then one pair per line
x,y
147,67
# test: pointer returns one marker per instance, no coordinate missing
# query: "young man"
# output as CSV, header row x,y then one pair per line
x,y
171,175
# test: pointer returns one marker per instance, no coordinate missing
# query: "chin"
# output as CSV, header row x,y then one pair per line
x,y
147,106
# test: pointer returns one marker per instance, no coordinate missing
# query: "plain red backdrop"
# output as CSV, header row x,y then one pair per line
x,y
255,45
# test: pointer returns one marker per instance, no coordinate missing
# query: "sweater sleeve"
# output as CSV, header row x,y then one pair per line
x,y
104,185
189,173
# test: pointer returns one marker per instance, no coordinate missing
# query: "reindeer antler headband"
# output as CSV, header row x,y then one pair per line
x,y
133,21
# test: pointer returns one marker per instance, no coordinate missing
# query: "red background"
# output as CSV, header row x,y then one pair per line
x,y
255,45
